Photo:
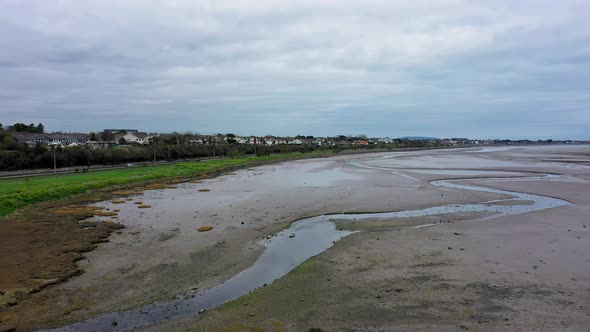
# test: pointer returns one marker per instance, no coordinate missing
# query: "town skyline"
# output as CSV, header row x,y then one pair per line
x,y
392,136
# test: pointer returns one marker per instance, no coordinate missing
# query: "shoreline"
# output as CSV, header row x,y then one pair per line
x,y
232,247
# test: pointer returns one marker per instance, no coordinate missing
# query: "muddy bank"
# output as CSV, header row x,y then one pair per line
x,y
525,272
41,253
520,272
41,247
161,253
302,240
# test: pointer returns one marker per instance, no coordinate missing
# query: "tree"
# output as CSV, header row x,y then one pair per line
x,y
122,140
93,137
107,136
230,138
20,127
39,149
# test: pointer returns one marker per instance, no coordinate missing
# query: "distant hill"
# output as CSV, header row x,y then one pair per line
x,y
418,138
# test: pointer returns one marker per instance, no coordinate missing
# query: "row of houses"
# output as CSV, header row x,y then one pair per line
x,y
111,137
234,139
50,139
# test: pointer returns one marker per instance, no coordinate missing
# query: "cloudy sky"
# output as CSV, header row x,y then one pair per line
x,y
445,68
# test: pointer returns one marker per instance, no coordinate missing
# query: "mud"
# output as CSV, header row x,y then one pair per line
x,y
348,287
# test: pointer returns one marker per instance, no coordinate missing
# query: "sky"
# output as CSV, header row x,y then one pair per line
x,y
445,68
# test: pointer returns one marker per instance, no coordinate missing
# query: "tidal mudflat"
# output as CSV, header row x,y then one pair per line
x,y
522,265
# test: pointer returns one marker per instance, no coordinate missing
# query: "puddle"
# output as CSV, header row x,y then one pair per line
x,y
464,172
289,248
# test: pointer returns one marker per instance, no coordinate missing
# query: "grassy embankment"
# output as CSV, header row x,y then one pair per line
x,y
17,193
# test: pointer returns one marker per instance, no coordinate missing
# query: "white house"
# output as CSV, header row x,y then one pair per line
x,y
241,140
139,138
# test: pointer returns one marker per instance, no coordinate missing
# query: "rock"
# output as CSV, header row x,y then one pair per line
x,y
7,328
251,314
204,228
291,236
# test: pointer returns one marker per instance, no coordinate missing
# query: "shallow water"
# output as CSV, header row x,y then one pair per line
x,y
463,172
291,247
284,252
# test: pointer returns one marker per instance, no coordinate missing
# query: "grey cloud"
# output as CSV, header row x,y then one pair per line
x,y
448,68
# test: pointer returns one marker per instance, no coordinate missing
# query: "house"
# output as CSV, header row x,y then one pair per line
x,y
241,140
31,139
136,137
67,139
51,139
197,141
101,144
119,131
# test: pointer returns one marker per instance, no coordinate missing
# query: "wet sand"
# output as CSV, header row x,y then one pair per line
x,y
524,270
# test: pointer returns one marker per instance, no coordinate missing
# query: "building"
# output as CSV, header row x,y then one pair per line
x,y
134,138
67,139
52,139
118,131
137,138
101,144
31,139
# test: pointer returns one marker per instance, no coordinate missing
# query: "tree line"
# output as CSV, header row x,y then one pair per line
x,y
23,128
19,156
